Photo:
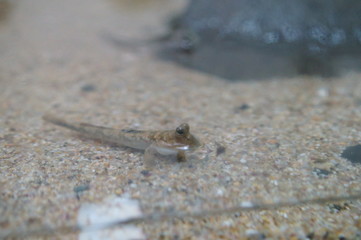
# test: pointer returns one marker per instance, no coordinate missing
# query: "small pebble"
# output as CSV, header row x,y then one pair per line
x,y
88,88
254,234
321,173
145,173
310,235
219,192
220,149
246,204
227,223
81,188
243,107
322,92
335,208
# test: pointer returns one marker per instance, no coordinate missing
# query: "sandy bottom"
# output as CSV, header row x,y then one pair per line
x,y
263,141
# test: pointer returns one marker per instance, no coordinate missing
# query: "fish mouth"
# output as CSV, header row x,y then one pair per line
x,y
196,144
193,143
192,147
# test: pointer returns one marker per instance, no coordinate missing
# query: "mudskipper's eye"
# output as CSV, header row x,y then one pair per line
x,y
180,130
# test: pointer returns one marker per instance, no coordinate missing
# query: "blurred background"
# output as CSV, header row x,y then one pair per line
x,y
235,39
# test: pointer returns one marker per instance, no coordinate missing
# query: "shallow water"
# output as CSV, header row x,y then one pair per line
x,y
92,62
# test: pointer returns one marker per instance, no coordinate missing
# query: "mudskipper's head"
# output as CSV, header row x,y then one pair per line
x,y
185,139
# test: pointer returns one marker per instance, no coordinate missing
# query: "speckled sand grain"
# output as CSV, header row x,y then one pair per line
x,y
58,57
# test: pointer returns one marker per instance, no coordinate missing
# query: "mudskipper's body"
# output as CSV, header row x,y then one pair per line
x,y
166,142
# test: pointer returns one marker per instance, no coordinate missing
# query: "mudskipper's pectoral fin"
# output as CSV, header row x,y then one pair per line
x,y
181,156
150,157
153,154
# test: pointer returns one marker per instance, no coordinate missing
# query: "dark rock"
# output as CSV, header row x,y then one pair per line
x,y
353,154
240,39
335,208
220,149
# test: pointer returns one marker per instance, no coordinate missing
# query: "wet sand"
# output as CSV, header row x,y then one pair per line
x,y
277,139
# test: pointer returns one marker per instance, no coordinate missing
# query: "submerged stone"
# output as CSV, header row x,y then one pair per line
x,y
353,154
239,39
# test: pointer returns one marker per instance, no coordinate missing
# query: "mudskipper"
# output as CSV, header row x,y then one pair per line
x,y
165,142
